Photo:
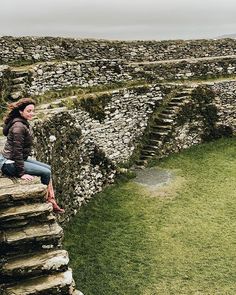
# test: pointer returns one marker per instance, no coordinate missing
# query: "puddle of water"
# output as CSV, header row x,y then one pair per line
x,y
153,177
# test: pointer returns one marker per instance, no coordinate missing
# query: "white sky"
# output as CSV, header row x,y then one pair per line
x,y
120,19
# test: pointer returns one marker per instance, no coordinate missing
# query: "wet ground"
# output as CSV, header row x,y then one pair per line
x,y
154,177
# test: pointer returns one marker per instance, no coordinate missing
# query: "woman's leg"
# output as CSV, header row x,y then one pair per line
x,y
9,170
36,168
38,163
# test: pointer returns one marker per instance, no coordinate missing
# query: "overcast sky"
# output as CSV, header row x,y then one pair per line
x,y
119,19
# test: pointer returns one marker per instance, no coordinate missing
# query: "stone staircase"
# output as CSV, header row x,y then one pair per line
x,y
162,125
20,83
31,258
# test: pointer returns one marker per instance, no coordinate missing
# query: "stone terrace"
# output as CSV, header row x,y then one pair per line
x,y
31,258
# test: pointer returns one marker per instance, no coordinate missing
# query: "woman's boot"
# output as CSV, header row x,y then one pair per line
x,y
51,199
56,208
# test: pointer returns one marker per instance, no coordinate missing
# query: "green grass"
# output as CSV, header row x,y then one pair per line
x,y
128,242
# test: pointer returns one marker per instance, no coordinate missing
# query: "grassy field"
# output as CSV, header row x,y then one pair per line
x,y
127,241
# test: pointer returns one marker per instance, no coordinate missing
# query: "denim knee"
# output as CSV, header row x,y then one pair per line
x,y
45,177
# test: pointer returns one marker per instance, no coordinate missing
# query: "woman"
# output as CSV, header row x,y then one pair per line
x,y
15,161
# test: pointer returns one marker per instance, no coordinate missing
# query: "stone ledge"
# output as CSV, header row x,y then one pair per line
x,y
15,190
59,284
30,239
19,216
37,264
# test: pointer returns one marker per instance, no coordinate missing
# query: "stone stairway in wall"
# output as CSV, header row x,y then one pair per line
x,y
20,83
162,124
31,258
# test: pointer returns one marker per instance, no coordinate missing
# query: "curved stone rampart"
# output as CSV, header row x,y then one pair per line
x,y
86,145
54,76
91,149
33,49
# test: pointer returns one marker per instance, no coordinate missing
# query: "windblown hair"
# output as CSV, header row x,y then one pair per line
x,y
15,108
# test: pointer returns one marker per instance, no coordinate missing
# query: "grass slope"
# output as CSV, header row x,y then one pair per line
x,y
126,242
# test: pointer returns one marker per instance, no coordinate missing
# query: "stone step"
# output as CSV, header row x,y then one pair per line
x,y
26,214
18,87
184,92
41,236
33,265
145,157
179,98
59,284
159,133
175,103
163,121
148,152
155,142
168,112
18,74
161,127
17,193
18,80
151,147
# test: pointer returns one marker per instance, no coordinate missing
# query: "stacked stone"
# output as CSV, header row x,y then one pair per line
x,y
31,258
226,103
57,75
183,69
163,125
33,49
80,168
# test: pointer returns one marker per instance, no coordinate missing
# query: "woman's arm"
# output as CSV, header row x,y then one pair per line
x,y
18,135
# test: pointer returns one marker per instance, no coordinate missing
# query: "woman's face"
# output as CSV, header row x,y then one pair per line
x,y
28,112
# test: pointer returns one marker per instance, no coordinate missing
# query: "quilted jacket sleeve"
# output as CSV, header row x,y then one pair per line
x,y
18,137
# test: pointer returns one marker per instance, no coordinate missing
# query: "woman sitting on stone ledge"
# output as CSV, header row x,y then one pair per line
x,y
14,160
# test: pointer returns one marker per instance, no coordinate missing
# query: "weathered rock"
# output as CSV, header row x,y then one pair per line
x,y
59,283
35,265
31,238
15,193
25,214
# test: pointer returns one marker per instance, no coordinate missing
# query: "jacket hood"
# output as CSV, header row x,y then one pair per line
x,y
6,127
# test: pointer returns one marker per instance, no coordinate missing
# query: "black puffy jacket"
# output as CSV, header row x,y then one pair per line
x,y
19,142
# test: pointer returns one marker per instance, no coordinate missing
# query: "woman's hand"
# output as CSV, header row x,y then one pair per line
x,y
27,177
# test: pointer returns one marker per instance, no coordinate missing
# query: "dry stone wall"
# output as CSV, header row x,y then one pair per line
x,y
80,168
126,118
56,76
33,49
51,76
226,102
184,69
197,115
85,152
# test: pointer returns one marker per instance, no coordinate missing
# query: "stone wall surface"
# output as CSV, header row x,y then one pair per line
x,y
56,76
33,49
126,118
226,102
183,70
85,152
52,76
80,168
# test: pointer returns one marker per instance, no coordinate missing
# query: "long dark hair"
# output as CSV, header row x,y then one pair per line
x,y
14,108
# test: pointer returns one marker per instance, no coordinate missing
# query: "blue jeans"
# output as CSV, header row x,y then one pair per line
x,y
31,167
